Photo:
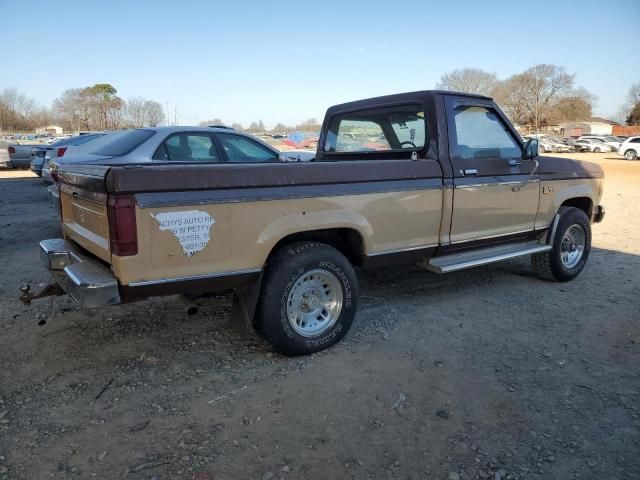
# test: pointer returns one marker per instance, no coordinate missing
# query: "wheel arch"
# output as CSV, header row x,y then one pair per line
x,y
583,203
347,241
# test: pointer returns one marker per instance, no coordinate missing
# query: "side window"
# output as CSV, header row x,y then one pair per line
x,y
635,140
399,128
240,149
188,147
479,133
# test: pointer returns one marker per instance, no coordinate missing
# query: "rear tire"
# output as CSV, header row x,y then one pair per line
x,y
630,154
571,247
308,299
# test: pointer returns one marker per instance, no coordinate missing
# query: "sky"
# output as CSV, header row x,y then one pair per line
x,y
289,61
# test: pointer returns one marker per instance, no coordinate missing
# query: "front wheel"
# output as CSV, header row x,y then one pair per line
x,y
596,150
571,247
308,300
630,154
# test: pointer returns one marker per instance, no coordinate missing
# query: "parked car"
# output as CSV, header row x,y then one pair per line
x,y
86,152
548,144
576,147
613,142
20,155
42,155
593,145
162,211
558,144
630,148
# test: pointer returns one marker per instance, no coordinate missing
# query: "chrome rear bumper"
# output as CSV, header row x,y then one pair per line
x,y
87,281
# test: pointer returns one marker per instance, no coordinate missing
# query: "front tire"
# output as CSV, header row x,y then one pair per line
x,y
308,300
630,154
571,247
596,150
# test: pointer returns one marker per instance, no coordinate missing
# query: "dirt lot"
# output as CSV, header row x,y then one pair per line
x,y
485,373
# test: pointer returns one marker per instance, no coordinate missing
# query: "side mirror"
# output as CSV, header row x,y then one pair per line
x,y
530,149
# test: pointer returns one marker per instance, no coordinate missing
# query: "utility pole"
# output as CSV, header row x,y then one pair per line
x,y
175,116
166,104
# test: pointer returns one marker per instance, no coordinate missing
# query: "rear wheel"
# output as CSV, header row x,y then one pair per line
x,y
630,154
308,300
571,247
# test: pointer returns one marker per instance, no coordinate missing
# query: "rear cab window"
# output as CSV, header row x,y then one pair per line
x,y
400,128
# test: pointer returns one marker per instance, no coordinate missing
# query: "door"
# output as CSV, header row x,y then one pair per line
x,y
496,192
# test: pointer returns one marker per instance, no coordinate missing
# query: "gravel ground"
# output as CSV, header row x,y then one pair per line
x,y
488,373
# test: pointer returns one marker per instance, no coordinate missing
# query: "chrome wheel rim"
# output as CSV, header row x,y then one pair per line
x,y
629,155
314,303
573,245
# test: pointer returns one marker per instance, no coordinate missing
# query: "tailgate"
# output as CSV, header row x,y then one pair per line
x,y
83,202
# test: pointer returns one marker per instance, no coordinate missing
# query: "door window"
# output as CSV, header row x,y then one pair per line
x,y
240,149
188,147
479,133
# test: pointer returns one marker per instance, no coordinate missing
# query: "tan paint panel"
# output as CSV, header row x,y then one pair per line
x,y
562,190
492,210
244,233
85,222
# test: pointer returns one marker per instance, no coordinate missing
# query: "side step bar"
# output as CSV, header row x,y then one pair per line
x,y
459,261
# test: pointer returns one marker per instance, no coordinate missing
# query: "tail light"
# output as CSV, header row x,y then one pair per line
x,y
61,151
12,150
121,212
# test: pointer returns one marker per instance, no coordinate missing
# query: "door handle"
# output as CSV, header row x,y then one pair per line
x,y
518,187
514,162
470,171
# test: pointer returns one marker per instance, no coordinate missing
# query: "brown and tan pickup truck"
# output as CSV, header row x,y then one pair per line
x,y
437,178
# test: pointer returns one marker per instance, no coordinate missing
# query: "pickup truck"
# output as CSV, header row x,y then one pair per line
x,y
441,179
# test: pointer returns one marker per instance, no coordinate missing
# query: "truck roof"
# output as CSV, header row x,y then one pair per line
x,y
398,97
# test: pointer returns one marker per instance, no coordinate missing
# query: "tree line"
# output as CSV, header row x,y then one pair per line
x,y
541,95
310,125
96,107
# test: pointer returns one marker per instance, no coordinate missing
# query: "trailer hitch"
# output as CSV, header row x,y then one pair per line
x,y
41,290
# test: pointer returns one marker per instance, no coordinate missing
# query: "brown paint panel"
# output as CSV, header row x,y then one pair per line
x,y
154,178
557,168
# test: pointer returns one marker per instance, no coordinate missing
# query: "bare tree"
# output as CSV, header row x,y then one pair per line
x,y
256,127
630,111
469,80
215,121
633,96
310,125
280,127
571,108
237,126
17,111
529,97
135,111
153,113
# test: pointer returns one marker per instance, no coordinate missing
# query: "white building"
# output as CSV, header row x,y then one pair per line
x,y
51,129
593,126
